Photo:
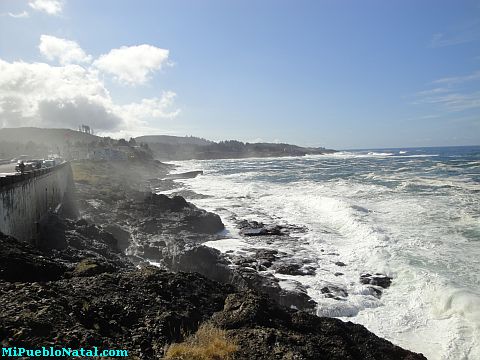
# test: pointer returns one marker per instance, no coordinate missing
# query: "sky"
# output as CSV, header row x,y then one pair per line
x,y
334,73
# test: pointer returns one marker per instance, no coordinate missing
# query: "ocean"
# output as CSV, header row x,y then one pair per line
x,y
412,214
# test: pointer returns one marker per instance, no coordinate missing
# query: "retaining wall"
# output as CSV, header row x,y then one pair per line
x,y
25,199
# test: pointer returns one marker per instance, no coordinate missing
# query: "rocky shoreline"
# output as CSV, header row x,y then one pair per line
x,y
90,282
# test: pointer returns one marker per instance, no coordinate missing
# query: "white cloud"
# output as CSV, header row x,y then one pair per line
x,y
21,15
133,65
51,7
434,91
38,94
65,51
455,101
456,95
459,79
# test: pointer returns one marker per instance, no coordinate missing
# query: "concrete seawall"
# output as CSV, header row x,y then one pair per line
x,y
26,199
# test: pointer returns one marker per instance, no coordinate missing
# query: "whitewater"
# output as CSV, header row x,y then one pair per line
x,y
412,214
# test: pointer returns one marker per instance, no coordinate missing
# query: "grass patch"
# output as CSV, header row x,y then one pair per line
x,y
90,172
208,343
85,267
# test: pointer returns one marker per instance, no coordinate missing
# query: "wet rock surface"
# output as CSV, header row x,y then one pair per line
x,y
377,279
169,231
334,292
376,283
255,228
265,331
294,269
143,310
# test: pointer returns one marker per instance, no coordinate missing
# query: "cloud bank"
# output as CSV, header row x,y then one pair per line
x,y
73,92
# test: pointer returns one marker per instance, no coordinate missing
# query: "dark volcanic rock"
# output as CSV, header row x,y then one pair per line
x,y
141,310
122,235
266,254
212,264
145,310
254,228
151,252
264,331
78,289
189,194
76,248
204,260
377,279
163,202
80,241
21,262
294,269
156,214
262,259
203,222
247,278
335,292
52,233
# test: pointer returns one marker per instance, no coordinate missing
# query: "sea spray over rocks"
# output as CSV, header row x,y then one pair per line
x,y
412,217
169,232
80,290
145,309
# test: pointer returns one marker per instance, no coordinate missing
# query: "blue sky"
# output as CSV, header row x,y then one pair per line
x,y
341,74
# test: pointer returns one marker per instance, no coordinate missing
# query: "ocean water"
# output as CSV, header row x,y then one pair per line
x,y
413,214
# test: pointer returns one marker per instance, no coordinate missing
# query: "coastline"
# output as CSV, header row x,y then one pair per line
x,y
408,214
121,215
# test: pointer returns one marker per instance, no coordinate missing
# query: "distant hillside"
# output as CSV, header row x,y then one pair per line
x,y
57,137
186,148
71,144
173,140
39,143
68,144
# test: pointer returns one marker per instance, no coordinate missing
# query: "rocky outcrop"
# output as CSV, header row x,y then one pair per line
x,y
23,263
169,231
138,310
143,310
255,228
262,330
377,279
71,249
212,264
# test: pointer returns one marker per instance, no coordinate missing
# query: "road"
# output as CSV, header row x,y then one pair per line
x,y
7,169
